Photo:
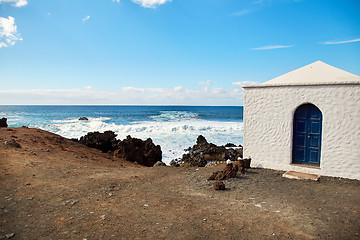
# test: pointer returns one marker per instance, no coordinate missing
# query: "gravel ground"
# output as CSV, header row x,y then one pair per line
x,y
53,188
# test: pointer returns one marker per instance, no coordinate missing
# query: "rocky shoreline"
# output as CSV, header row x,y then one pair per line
x,y
148,154
145,153
203,152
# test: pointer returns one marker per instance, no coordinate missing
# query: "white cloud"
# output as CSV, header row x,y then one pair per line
x,y
133,89
85,18
150,3
124,96
116,1
178,88
342,42
207,83
244,83
16,3
8,32
272,47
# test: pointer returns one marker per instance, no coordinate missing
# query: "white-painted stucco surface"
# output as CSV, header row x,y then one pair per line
x,y
268,126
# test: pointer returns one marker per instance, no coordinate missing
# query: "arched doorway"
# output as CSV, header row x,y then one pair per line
x,y
307,135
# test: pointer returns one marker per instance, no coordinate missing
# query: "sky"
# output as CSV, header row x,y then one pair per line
x,y
165,52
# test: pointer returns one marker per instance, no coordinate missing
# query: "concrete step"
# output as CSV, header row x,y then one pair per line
x,y
300,175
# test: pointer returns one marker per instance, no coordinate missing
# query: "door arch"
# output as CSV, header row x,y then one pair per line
x,y
307,135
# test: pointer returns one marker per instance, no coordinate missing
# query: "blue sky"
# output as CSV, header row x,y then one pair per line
x,y
184,52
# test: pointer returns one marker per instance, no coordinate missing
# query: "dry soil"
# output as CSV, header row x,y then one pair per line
x,y
53,188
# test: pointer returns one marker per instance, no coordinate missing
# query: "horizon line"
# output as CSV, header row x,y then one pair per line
x,y
124,105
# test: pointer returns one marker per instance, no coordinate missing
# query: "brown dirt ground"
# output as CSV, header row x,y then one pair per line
x,y
53,188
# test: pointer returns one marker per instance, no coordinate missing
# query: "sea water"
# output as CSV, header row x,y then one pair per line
x,y
174,128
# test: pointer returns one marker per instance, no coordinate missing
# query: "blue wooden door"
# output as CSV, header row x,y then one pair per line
x,y
307,135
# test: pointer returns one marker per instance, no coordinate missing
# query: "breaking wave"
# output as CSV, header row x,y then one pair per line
x,y
174,128
172,136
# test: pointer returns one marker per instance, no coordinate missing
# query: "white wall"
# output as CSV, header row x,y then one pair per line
x,y
268,123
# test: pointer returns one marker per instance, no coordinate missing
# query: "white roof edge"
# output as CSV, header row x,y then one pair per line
x,y
317,73
301,85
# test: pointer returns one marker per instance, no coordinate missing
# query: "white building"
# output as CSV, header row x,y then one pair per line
x,y
307,120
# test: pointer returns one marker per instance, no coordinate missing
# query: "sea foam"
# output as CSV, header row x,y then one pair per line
x,y
174,128
173,135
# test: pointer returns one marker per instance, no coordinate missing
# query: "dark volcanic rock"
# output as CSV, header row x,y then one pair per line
x,y
103,141
235,153
176,162
229,171
219,185
3,122
136,150
83,119
130,149
12,143
241,166
201,140
230,145
232,171
202,152
159,164
246,162
195,160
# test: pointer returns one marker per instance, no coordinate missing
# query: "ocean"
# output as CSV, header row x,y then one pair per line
x,y
174,128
